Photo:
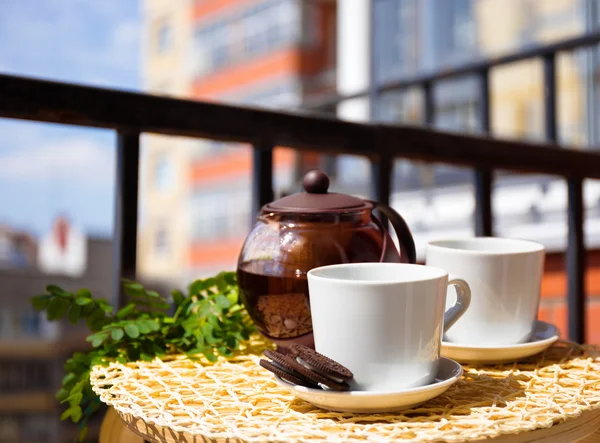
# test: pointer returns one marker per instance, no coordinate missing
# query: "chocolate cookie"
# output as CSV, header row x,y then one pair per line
x,y
323,382
312,360
285,375
294,370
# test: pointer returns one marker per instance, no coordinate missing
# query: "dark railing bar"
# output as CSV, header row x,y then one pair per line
x,y
64,103
381,177
550,98
483,202
96,107
479,151
126,211
576,261
469,68
428,104
483,177
262,177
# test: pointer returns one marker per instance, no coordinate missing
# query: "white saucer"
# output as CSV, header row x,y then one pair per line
x,y
373,402
543,336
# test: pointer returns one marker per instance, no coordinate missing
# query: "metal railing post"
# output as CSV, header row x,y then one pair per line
x,y
126,210
262,177
484,176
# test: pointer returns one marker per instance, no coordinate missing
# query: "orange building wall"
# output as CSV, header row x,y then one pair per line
x,y
234,165
203,9
280,64
553,307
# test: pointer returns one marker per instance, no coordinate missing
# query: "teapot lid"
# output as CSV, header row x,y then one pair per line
x,y
317,199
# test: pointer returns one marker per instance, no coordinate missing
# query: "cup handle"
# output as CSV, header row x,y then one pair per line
x,y
463,300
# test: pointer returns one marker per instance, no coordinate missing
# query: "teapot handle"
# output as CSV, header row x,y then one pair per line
x,y
405,238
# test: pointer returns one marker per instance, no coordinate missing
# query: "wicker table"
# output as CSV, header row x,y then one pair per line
x,y
554,397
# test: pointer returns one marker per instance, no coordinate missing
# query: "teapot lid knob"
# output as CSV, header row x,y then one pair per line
x,y
317,199
316,182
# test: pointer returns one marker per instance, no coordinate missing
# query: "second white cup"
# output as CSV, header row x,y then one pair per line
x,y
383,321
505,277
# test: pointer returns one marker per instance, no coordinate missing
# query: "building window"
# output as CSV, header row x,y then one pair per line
x,y
164,37
163,173
257,30
455,30
219,214
161,242
283,95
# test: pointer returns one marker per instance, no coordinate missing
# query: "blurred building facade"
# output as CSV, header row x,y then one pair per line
x,y
196,194
415,37
33,350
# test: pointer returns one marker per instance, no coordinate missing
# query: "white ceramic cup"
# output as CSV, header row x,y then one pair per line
x,y
383,321
504,276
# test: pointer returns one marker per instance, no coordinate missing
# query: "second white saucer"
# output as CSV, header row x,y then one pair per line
x,y
543,337
374,402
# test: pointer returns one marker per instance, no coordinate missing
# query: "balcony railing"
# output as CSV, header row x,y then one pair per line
x,y
131,114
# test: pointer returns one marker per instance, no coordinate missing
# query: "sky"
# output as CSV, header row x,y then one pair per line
x,y
48,170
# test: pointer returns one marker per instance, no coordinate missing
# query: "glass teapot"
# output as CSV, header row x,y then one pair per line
x,y
304,231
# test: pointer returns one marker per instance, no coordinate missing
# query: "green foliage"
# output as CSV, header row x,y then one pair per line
x,y
209,321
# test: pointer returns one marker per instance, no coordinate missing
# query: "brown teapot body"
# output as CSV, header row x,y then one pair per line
x,y
301,232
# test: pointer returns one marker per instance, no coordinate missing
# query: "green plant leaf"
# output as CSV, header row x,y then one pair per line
x,y
220,281
210,356
134,286
82,301
231,342
196,287
177,297
124,312
80,357
75,413
132,331
74,314
62,394
83,292
82,433
133,289
57,308
224,351
230,278
202,308
68,378
222,301
141,325
75,399
40,302
97,339
153,325
53,289
104,305
117,334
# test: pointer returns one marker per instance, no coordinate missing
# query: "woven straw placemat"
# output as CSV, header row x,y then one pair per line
x,y
237,400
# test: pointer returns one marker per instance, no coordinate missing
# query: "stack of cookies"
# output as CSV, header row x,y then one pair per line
x,y
306,367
